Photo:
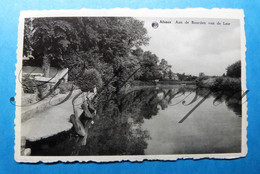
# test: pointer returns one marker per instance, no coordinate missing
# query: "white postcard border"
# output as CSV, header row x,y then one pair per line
x,y
126,12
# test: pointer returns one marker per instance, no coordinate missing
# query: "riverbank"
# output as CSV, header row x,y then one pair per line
x,y
31,110
49,121
138,85
219,83
165,82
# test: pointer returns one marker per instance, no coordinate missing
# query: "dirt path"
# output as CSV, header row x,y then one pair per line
x,y
49,122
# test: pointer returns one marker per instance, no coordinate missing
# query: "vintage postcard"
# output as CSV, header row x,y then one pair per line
x,y
130,85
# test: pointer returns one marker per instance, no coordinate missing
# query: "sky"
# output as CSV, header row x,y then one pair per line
x,y
194,48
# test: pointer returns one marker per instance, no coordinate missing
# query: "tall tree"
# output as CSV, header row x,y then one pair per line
x,y
49,40
165,69
234,70
150,68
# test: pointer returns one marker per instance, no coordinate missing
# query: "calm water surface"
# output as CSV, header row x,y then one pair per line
x,y
155,120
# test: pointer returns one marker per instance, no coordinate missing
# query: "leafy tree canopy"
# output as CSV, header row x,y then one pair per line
x,y
234,70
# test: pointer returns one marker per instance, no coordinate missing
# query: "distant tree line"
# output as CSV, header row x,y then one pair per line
x,y
184,77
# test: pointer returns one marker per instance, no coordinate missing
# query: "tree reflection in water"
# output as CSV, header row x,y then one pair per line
x,y
117,128
232,99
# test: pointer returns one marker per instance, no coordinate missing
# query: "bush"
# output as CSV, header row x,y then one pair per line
x,y
91,78
234,70
231,84
65,87
29,85
223,83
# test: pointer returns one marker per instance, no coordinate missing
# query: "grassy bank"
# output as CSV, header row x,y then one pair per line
x,y
165,82
221,83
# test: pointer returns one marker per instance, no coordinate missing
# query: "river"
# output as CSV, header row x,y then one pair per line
x,y
155,121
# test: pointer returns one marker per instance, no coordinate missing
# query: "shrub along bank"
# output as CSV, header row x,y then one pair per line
x,y
231,80
221,83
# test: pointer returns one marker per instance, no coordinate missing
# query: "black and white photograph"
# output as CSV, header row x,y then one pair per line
x,y
110,87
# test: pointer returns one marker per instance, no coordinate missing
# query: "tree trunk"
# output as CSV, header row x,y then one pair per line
x,y
45,88
46,64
